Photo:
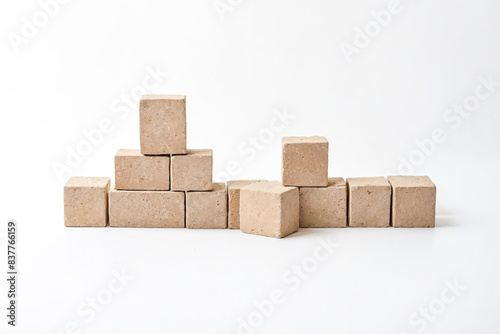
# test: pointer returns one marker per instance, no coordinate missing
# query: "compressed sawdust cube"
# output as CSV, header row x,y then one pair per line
x,y
369,202
207,209
413,201
163,124
86,201
233,195
324,206
140,208
192,171
304,161
134,171
269,209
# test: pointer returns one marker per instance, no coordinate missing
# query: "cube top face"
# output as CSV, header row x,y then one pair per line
x,y
271,187
410,181
217,187
163,124
146,208
378,181
87,182
304,140
413,201
238,184
207,209
269,210
134,171
86,201
192,171
200,152
304,161
163,97
369,202
125,152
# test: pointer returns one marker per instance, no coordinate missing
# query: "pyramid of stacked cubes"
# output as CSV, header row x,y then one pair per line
x,y
164,184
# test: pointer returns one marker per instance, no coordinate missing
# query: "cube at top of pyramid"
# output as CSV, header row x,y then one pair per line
x,y
163,124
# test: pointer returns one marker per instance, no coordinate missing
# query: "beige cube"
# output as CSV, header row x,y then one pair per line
x,y
304,161
134,171
192,171
267,208
207,209
86,201
369,202
233,201
139,208
324,206
413,201
163,124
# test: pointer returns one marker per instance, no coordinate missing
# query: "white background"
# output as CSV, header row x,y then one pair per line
x,y
238,68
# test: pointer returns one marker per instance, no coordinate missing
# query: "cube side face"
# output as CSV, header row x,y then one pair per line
x,y
290,212
323,207
369,206
414,207
260,213
146,209
207,209
191,172
142,172
233,196
162,125
304,164
86,206
233,205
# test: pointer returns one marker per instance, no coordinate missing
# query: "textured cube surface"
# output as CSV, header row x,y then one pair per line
x,y
267,208
304,161
324,206
163,124
138,208
369,202
134,171
86,201
413,201
233,195
207,209
192,171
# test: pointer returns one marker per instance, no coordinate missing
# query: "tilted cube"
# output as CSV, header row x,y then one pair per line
x,y
304,161
163,124
134,171
207,209
269,209
86,201
369,202
192,171
413,201
324,206
139,208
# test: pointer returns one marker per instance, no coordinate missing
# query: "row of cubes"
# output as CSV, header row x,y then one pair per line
x,y
257,207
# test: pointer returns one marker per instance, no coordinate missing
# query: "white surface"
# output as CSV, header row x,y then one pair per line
x,y
263,56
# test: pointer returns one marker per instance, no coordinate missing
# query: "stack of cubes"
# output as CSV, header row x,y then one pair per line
x,y
307,197
166,185
163,184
